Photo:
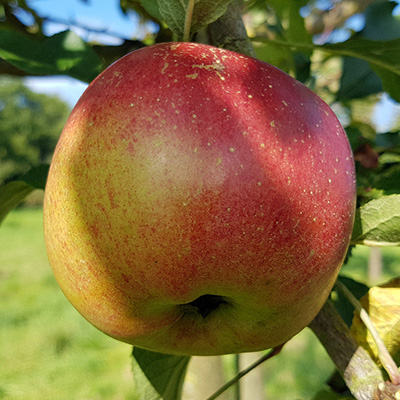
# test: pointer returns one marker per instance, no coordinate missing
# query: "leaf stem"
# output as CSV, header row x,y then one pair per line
x,y
273,352
188,21
384,355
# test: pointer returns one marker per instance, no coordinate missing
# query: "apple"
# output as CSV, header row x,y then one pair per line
x,y
199,202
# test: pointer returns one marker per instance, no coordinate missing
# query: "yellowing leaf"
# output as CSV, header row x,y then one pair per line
x,y
383,306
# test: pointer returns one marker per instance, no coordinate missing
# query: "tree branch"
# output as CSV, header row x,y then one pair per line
x,y
359,371
230,33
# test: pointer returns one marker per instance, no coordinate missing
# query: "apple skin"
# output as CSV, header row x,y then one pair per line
x,y
199,202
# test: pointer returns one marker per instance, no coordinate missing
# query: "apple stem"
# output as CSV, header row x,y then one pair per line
x,y
273,352
188,21
383,353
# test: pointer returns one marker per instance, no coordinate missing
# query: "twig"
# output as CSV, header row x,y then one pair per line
x,y
273,352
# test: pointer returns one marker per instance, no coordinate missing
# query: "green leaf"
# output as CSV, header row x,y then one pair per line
x,y
291,28
329,394
389,180
357,80
383,58
289,14
12,193
380,23
152,7
278,56
377,223
64,53
173,12
37,176
390,80
342,304
157,375
389,158
388,140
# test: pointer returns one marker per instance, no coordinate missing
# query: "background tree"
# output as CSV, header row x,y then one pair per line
x,y
30,124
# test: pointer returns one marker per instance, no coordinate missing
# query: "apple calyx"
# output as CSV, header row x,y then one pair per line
x,y
206,304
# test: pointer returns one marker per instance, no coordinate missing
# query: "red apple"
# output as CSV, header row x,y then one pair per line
x,y
199,202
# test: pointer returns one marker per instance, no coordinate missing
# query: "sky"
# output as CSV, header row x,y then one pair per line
x,y
100,15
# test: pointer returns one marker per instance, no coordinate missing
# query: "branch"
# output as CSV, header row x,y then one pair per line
x,y
230,33
359,371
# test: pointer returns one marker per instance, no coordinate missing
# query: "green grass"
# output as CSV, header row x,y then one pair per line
x,y
48,351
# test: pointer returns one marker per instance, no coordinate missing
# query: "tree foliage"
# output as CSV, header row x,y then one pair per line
x,y
30,124
354,67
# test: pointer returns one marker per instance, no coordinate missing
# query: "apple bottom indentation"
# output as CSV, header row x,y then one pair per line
x,y
206,304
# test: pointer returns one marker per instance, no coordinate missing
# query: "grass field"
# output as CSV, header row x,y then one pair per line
x,y
49,352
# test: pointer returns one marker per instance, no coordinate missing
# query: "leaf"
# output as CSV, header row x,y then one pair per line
x,y
389,158
64,53
157,375
377,223
329,394
357,80
12,193
389,180
288,15
388,140
383,57
383,306
36,176
152,7
278,56
380,23
173,12
346,310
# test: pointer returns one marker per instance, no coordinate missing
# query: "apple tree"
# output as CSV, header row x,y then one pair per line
x,y
354,68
